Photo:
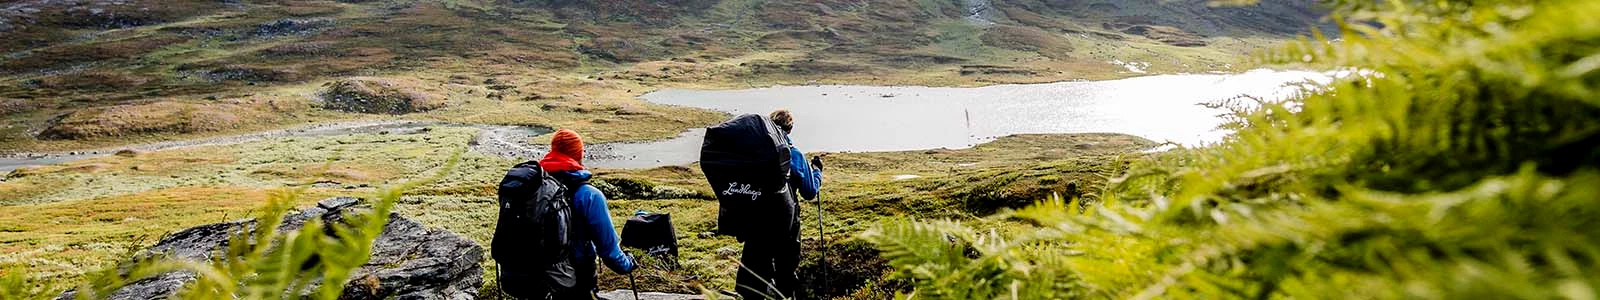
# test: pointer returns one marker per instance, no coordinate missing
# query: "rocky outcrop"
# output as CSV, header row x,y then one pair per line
x,y
619,50
292,26
409,260
628,295
10,106
252,74
379,96
1164,34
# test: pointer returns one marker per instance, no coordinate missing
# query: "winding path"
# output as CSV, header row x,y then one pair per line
x,y
492,139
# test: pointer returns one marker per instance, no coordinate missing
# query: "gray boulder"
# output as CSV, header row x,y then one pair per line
x,y
409,260
628,295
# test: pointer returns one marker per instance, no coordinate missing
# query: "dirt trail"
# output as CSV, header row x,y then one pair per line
x,y
515,142
493,139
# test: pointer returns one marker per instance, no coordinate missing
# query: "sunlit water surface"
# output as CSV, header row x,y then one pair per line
x,y
836,118
1163,108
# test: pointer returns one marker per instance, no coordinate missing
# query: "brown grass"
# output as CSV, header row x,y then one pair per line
x,y
59,241
620,50
93,81
305,9
553,58
100,53
157,117
301,49
57,21
12,106
1028,18
346,173
160,163
35,189
1027,39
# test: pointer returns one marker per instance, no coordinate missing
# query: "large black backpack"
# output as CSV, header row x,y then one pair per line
x,y
533,237
652,233
746,160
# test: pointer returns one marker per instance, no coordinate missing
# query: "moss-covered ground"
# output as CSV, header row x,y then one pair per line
x,y
62,221
139,71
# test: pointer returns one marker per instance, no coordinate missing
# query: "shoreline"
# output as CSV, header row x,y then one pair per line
x,y
498,146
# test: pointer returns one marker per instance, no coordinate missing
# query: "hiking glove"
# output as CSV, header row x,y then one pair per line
x,y
816,161
630,265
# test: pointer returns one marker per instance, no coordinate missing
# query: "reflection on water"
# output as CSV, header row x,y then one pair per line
x,y
870,118
682,150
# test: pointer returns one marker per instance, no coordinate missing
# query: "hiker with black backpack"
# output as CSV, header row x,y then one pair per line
x,y
782,247
756,172
552,226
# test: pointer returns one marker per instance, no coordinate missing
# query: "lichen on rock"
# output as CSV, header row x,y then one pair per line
x,y
379,96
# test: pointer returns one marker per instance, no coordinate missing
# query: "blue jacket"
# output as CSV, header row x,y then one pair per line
x,y
802,176
597,237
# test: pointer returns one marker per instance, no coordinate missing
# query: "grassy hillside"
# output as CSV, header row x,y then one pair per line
x,y
65,221
82,73
1462,166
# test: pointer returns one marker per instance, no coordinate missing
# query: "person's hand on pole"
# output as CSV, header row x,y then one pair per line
x,y
633,264
816,162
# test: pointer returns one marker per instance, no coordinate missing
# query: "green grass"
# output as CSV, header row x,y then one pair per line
x,y
958,38
534,50
938,7
1453,171
89,213
63,221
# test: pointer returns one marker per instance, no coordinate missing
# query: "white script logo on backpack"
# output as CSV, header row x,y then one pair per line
x,y
736,188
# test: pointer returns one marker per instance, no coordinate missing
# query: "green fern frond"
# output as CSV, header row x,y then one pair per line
x,y
1454,160
260,263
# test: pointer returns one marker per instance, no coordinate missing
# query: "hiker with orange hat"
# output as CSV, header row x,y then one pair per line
x,y
546,246
596,235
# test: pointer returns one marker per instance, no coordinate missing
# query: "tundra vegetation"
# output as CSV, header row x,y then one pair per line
x,y
85,74
1456,162
1460,163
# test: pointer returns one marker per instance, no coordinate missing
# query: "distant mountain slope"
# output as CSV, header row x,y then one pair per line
x,y
1266,17
64,56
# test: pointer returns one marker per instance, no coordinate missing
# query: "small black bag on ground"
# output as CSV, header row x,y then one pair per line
x,y
532,243
746,160
652,233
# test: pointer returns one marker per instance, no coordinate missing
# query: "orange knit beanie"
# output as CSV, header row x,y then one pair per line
x,y
568,143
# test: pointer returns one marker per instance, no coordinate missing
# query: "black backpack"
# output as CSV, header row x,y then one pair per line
x,y
746,160
533,237
652,233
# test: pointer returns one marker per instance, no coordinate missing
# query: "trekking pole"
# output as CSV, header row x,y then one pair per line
x,y
822,238
821,230
633,285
